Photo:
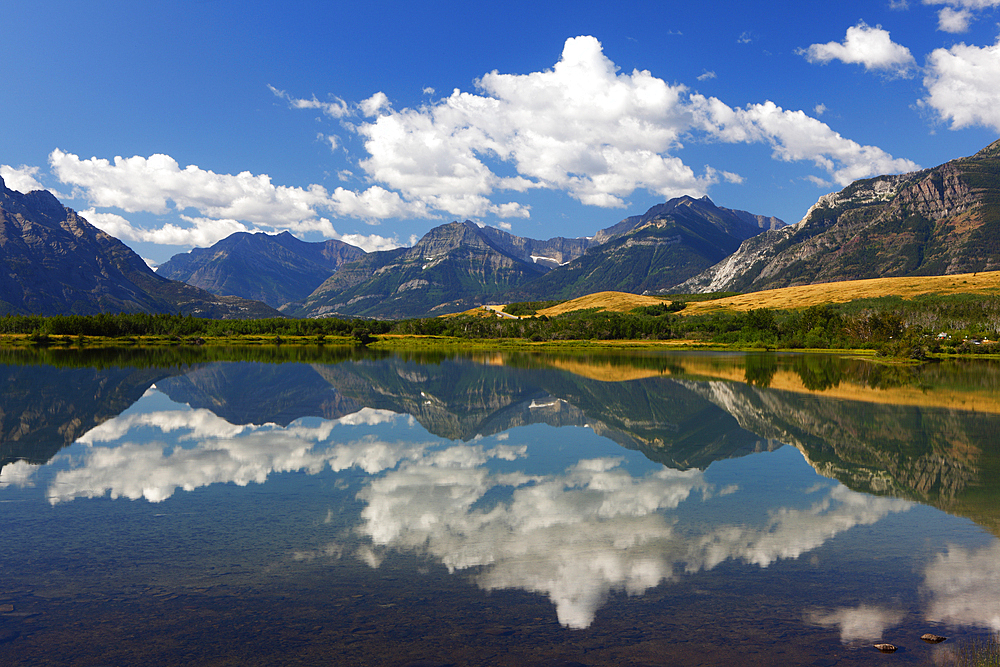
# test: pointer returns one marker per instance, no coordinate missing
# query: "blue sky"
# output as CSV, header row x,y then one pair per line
x,y
172,125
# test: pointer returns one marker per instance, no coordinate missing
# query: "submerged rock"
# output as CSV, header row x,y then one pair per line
x,y
932,639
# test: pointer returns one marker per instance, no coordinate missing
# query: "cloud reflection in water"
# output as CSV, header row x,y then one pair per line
x,y
593,529
222,453
575,535
964,586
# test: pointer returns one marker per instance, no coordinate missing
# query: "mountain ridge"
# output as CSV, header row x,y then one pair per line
x,y
452,265
669,243
54,262
460,265
276,269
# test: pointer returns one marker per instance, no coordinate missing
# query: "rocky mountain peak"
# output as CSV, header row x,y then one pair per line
x,y
55,262
991,151
937,221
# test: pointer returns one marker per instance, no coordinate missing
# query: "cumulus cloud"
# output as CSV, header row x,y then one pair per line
x,y
795,136
23,179
868,46
957,15
582,127
961,85
954,20
202,232
207,231
159,185
225,203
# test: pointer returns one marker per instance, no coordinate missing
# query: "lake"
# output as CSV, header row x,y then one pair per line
x,y
353,508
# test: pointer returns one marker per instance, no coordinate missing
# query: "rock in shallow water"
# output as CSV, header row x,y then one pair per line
x,y
885,648
932,639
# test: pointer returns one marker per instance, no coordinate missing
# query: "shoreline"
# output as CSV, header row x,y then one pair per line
x,y
407,342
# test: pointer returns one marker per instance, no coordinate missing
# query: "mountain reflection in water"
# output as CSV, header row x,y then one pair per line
x,y
595,482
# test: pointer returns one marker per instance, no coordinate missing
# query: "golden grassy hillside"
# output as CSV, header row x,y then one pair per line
x,y
804,296
801,296
614,301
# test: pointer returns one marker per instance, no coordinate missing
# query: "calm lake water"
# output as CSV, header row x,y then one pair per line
x,y
342,508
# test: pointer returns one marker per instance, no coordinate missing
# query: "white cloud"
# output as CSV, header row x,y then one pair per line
x,y
954,20
203,232
206,231
584,128
225,202
580,127
962,86
329,139
23,178
335,109
374,104
818,182
819,109
373,242
706,75
957,15
795,136
864,45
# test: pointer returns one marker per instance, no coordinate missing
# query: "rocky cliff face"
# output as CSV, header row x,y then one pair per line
x,y
275,269
937,221
52,262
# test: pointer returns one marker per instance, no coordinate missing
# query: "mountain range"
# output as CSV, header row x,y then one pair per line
x,y
449,269
937,221
460,265
54,262
933,454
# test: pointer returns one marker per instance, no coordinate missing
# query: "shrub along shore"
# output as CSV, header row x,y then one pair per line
x,y
894,327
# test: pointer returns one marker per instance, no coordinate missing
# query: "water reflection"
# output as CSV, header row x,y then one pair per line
x,y
593,529
579,479
964,587
218,452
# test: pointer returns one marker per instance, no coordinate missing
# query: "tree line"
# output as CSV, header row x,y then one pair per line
x,y
894,326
